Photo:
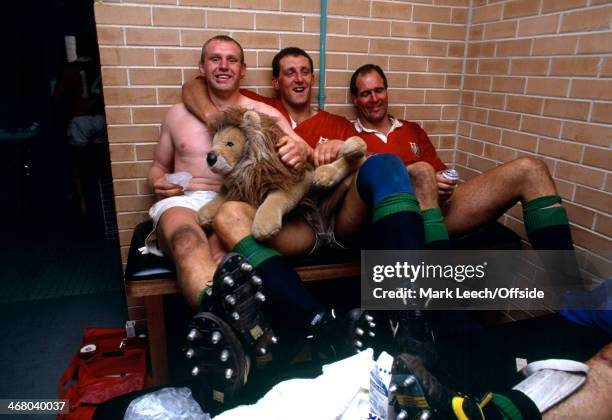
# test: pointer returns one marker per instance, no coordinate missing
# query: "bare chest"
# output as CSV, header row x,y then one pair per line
x,y
191,140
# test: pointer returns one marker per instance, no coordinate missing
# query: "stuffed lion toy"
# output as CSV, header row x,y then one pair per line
x,y
244,151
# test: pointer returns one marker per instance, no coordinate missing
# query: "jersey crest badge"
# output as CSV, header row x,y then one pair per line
x,y
415,149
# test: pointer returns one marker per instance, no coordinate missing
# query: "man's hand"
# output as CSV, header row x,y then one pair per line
x,y
293,152
446,187
326,152
163,189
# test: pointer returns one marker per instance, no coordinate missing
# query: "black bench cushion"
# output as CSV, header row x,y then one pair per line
x,y
146,267
149,266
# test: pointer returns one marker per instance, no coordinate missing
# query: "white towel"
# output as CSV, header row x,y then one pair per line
x,y
341,392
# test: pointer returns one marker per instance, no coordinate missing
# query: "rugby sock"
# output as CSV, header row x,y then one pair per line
x,y
513,405
254,251
288,302
436,235
547,227
383,183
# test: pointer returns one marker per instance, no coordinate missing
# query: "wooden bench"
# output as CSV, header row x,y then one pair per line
x,y
151,277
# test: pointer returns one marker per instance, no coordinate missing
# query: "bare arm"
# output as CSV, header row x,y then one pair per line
x,y
293,150
163,163
196,99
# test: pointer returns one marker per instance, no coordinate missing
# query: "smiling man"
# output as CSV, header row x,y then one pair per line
x,y
182,147
477,201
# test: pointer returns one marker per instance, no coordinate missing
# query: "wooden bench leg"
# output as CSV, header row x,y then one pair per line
x,y
156,326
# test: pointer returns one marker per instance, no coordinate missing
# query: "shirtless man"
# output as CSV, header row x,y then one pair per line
x,y
243,330
183,145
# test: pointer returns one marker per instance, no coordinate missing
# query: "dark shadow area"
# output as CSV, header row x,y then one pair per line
x,y
52,187
59,258
39,337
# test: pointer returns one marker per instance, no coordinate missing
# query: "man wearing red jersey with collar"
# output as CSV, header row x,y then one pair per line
x,y
479,200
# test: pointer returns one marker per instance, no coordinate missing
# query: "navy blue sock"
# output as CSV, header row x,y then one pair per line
x,y
400,231
291,304
288,302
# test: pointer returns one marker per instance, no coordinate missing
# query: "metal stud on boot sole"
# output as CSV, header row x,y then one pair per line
x,y
216,356
239,304
215,337
193,334
256,280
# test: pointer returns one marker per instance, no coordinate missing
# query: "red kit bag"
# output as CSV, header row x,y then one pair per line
x,y
107,365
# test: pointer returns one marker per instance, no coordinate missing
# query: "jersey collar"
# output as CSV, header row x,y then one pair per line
x,y
395,123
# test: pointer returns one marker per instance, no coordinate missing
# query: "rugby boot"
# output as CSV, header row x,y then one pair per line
x,y
236,296
368,329
356,331
414,335
414,393
216,356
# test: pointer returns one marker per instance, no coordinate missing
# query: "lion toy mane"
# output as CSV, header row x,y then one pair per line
x,y
244,151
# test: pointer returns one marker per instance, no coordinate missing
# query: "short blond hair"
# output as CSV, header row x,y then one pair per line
x,y
223,38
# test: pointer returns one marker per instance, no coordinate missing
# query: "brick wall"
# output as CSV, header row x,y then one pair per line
x,y
149,48
488,80
537,82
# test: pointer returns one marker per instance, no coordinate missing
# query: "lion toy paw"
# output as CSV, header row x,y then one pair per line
x,y
327,176
266,226
204,217
350,157
354,148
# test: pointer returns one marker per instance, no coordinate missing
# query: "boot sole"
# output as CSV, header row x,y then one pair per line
x,y
216,355
238,293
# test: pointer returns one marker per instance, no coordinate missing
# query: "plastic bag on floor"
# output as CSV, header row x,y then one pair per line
x,y
166,404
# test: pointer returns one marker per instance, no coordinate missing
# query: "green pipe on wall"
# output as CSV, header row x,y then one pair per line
x,y
322,48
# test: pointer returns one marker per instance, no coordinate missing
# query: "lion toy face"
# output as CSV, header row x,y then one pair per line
x,y
228,145
244,152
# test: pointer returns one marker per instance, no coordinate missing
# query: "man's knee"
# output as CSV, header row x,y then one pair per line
x,y
529,166
420,169
231,216
421,173
184,240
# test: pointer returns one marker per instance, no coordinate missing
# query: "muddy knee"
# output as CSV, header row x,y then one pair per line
x,y
184,240
421,174
423,178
